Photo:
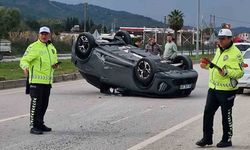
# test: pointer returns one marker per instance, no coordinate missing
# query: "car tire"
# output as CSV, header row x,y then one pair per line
x,y
84,44
124,36
185,60
144,71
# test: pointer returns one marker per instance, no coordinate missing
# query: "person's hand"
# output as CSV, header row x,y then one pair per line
x,y
222,72
55,66
203,66
26,72
204,62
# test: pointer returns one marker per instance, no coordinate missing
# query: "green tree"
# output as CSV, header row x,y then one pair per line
x,y
9,19
175,21
33,24
56,25
70,22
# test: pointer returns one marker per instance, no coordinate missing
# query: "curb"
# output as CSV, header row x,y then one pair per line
x,y
22,82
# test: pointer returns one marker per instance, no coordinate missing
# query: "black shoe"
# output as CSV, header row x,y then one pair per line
x,y
36,131
224,144
203,142
45,128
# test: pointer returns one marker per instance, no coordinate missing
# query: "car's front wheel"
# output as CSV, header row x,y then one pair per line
x,y
84,44
144,71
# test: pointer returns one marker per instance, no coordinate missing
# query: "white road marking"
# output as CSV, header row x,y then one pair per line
x,y
117,121
13,118
165,133
18,117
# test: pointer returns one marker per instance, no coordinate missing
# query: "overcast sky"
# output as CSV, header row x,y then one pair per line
x,y
235,12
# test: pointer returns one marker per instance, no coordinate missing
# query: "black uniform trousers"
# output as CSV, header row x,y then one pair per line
x,y
39,94
216,99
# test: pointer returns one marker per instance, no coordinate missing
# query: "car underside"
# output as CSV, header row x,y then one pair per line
x,y
116,66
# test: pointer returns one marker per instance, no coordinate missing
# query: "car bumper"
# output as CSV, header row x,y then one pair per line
x,y
245,84
244,81
174,84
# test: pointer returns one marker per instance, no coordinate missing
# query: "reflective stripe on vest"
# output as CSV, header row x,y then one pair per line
x,y
40,77
221,84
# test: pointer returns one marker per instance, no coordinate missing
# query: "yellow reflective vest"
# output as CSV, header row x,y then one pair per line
x,y
39,58
231,61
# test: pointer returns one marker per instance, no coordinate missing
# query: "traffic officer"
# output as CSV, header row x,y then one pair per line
x,y
38,63
224,70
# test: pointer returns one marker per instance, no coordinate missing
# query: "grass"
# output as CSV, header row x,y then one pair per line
x,y
12,71
194,58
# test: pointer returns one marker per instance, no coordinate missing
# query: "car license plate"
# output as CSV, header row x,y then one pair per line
x,y
185,86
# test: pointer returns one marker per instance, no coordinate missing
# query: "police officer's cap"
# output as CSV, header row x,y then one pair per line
x,y
225,33
44,29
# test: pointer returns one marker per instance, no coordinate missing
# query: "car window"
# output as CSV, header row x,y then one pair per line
x,y
247,55
243,47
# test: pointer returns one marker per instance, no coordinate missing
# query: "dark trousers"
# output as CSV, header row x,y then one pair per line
x,y
39,94
216,99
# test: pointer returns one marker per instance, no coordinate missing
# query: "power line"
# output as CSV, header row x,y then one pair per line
x,y
233,20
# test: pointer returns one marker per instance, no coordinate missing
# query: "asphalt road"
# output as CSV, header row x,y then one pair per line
x,y
84,119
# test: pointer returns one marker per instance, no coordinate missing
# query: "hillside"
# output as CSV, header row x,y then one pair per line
x,y
38,9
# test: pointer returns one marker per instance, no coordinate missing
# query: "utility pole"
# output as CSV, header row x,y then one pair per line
x,y
164,34
198,28
102,30
114,24
85,10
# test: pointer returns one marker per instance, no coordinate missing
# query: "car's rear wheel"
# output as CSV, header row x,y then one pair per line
x,y
84,44
124,36
184,61
144,71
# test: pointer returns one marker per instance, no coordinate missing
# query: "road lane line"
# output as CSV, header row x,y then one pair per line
x,y
165,133
18,117
13,118
125,118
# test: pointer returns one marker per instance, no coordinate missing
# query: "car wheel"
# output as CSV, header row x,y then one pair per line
x,y
124,36
144,71
185,62
240,90
84,44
